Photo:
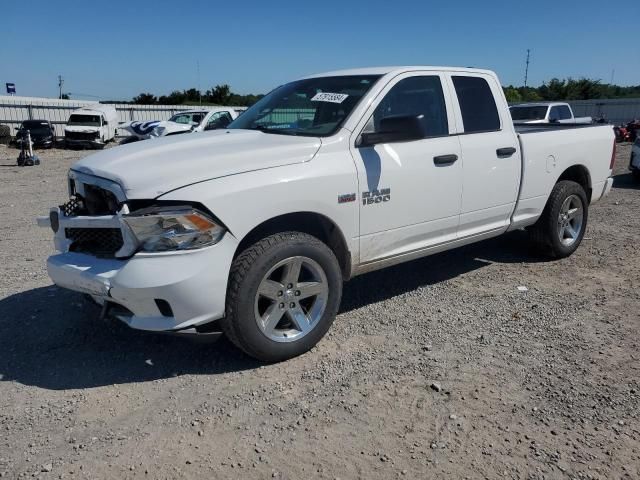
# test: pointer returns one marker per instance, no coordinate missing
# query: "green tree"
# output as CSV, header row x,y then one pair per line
x,y
219,95
512,94
145,99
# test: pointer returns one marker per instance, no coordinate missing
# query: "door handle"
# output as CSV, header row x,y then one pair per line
x,y
505,152
445,159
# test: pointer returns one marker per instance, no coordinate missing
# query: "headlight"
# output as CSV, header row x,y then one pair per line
x,y
173,228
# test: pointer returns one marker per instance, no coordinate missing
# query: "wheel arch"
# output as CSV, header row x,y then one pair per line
x,y
312,223
580,174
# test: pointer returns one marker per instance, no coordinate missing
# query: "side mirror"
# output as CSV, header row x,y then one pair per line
x,y
553,120
397,128
105,123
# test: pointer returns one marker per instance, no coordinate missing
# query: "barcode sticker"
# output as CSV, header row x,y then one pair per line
x,y
329,97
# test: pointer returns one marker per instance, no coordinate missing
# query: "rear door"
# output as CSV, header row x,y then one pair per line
x,y
410,191
490,154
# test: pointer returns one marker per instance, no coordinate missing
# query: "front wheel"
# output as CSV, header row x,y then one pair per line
x,y
283,295
560,229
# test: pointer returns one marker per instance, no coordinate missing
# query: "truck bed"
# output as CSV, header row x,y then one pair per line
x,y
543,127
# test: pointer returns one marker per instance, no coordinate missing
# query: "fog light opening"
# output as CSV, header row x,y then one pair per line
x,y
164,307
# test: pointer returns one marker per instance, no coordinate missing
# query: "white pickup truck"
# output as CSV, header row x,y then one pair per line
x,y
189,121
254,230
546,112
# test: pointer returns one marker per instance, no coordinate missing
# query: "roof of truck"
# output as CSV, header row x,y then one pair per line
x,y
540,104
396,70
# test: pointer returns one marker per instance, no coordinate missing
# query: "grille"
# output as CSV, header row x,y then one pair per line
x,y
72,208
81,135
102,242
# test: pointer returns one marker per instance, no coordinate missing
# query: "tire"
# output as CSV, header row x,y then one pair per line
x,y
264,266
636,175
560,229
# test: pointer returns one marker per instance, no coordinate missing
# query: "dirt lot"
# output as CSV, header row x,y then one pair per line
x,y
537,384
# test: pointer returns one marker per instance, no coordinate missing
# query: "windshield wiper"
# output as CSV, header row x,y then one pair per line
x,y
277,131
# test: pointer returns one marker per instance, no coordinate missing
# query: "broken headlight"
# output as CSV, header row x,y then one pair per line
x,y
160,229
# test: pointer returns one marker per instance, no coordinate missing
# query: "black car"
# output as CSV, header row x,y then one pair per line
x,y
42,133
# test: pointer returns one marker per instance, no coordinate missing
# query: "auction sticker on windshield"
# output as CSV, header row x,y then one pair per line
x,y
329,97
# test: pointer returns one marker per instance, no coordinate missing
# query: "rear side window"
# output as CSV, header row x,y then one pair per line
x,y
478,107
420,95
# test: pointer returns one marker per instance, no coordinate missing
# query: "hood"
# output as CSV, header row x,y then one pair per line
x,y
147,170
167,127
81,128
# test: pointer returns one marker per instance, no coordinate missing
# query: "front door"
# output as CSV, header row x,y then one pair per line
x,y
410,192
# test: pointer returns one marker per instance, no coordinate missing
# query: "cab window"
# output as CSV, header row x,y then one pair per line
x,y
477,105
414,96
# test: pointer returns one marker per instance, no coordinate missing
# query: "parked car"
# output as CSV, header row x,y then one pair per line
x,y
634,163
253,231
545,112
183,122
42,133
91,127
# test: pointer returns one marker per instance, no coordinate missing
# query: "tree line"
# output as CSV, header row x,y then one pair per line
x,y
569,89
553,90
218,95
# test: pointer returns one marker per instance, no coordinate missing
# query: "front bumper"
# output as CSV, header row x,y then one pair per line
x,y
97,143
193,283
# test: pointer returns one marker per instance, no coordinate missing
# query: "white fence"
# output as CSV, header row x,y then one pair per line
x,y
14,110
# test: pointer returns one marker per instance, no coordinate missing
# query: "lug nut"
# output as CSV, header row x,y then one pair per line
x,y
290,285
292,305
280,293
297,293
282,305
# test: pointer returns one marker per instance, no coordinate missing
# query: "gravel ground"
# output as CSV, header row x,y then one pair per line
x,y
437,368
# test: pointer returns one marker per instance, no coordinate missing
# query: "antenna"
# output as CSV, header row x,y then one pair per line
x,y
526,70
199,92
60,83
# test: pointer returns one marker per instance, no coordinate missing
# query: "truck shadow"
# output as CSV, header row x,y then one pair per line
x,y
52,338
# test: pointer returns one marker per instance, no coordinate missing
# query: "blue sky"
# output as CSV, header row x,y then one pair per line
x,y
117,49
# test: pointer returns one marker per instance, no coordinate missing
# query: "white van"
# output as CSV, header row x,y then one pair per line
x,y
92,126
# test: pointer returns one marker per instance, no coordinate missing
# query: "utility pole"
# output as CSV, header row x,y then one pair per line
x,y
613,73
526,70
60,83
199,92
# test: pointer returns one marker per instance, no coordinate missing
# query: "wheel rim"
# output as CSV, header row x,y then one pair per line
x,y
570,220
291,299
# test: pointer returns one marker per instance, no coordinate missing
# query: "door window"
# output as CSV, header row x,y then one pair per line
x,y
414,96
219,120
565,113
477,105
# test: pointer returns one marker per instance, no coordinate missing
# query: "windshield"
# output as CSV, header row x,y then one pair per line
x,y
84,120
35,126
188,118
529,113
312,107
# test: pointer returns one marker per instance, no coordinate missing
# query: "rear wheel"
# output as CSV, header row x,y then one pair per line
x,y
560,229
284,293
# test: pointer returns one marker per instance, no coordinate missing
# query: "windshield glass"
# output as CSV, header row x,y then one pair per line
x,y
312,107
84,120
529,113
35,126
188,118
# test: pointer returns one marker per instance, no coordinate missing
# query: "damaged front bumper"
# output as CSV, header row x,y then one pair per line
x,y
161,291
156,292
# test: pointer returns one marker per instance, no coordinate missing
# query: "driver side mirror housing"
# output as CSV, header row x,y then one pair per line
x,y
396,128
